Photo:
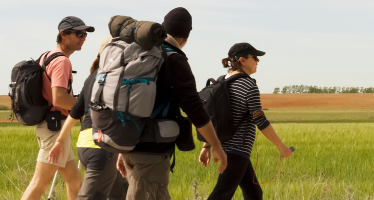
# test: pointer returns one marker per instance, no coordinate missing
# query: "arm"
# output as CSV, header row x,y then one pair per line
x,y
210,135
191,104
121,166
62,99
57,148
273,137
263,124
60,73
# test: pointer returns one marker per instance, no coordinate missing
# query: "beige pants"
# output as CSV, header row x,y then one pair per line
x,y
47,139
148,176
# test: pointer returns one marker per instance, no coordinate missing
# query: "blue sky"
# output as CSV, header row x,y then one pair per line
x,y
310,42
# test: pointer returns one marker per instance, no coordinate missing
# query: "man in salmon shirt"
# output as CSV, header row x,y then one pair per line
x,y
58,92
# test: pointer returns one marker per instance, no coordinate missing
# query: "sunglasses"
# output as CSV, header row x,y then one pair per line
x,y
254,57
79,34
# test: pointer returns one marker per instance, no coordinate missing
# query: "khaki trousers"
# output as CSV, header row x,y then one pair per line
x,y
148,176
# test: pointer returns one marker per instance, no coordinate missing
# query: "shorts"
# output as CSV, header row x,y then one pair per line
x,y
148,176
47,139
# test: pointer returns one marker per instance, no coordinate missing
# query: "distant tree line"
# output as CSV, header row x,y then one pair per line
x,y
302,89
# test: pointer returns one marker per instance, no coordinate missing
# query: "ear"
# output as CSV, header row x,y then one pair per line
x,y
62,33
241,60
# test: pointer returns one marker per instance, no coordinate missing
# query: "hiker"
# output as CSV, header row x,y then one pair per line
x,y
101,180
58,92
244,98
147,166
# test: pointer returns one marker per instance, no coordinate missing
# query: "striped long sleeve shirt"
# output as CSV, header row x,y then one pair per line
x,y
244,97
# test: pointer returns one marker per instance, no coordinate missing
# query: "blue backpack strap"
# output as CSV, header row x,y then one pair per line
x,y
130,82
164,107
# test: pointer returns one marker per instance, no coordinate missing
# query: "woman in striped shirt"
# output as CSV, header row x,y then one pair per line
x,y
244,98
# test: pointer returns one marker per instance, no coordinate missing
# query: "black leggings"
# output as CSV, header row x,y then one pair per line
x,y
101,181
239,172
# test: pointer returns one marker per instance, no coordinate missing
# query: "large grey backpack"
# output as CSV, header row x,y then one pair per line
x,y
123,97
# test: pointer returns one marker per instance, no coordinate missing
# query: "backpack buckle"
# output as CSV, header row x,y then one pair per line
x,y
102,79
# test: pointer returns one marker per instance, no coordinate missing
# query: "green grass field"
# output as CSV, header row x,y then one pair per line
x,y
331,161
333,158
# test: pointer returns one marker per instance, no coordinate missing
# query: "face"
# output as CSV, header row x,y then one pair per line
x,y
249,64
75,40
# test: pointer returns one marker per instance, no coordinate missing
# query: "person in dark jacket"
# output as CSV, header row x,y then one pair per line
x,y
101,181
148,165
244,98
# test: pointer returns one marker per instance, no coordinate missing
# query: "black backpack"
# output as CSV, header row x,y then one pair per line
x,y
216,100
25,90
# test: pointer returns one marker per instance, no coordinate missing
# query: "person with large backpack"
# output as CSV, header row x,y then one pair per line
x,y
242,112
101,181
147,165
56,90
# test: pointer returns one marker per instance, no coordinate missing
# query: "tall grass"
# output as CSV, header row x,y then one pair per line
x,y
331,161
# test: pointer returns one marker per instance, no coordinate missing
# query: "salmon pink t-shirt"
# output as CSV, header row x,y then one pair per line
x,y
60,71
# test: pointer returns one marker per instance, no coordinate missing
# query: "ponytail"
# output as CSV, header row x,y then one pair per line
x,y
225,63
234,65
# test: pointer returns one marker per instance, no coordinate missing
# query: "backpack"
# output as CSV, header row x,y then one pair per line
x,y
25,90
123,97
216,100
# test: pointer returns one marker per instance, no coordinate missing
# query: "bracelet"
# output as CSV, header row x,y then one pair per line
x,y
206,146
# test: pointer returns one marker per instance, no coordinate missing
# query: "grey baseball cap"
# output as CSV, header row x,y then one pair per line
x,y
74,23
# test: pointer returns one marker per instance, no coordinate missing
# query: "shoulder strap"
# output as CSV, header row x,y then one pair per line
x,y
48,60
236,76
211,80
38,60
167,65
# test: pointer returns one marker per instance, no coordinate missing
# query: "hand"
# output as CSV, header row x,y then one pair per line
x,y
285,151
258,113
121,166
220,155
56,152
204,157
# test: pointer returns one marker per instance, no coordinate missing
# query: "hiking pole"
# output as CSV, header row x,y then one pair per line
x,y
54,180
53,184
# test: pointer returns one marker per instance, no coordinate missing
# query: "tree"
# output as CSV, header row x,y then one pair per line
x,y
276,90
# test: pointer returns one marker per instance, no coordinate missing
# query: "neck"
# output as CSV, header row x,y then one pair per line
x,y
239,71
66,50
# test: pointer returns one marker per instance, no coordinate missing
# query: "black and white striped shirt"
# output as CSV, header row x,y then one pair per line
x,y
244,96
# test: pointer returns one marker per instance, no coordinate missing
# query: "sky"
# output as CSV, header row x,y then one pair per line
x,y
310,42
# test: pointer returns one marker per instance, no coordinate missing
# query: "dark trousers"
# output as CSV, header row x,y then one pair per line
x,y
102,180
239,172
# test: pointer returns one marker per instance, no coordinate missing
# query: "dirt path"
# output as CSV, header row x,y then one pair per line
x,y
315,101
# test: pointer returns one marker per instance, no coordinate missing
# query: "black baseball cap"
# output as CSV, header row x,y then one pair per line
x,y
178,22
243,49
74,23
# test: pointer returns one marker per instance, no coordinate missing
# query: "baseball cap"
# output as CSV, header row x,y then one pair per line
x,y
74,23
242,49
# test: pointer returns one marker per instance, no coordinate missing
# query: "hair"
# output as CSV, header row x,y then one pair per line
x,y
65,32
95,64
234,65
